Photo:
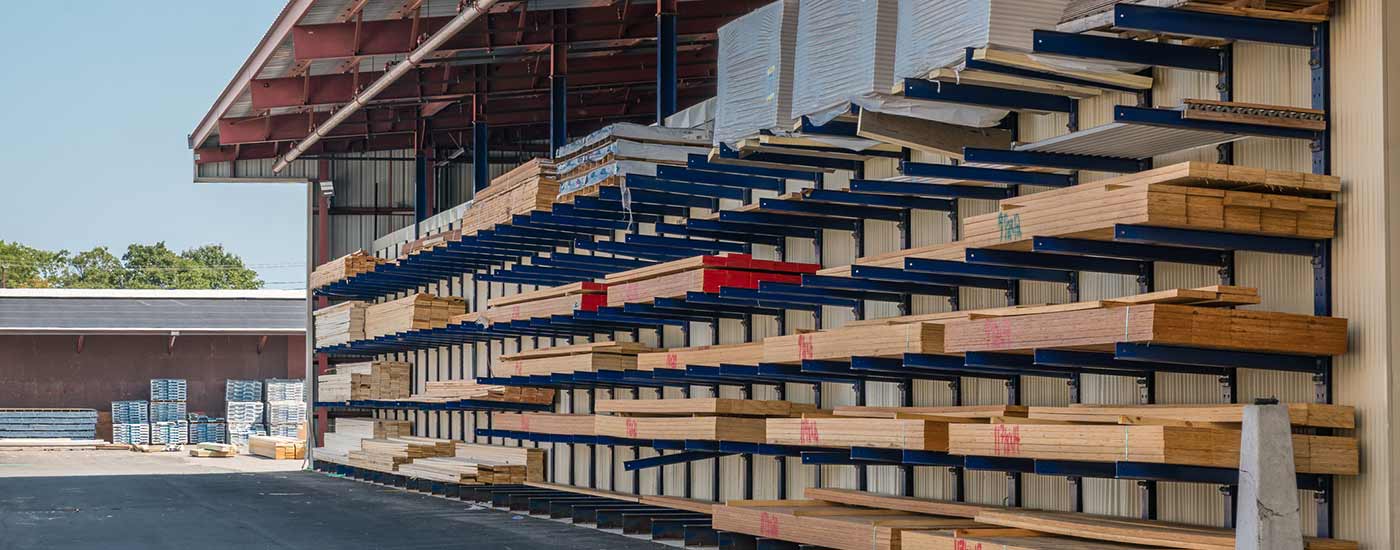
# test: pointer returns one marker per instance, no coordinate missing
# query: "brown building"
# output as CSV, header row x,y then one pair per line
x,y
87,348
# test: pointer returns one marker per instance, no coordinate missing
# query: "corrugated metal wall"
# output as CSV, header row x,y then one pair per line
x,y
1264,74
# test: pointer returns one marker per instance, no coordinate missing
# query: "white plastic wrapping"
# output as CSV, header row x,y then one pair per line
x,y
756,55
935,34
638,132
633,150
700,115
602,173
845,49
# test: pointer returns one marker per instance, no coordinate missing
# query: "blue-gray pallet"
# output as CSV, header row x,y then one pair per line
x,y
131,434
244,412
167,411
243,390
286,412
170,433
130,412
207,432
168,389
285,390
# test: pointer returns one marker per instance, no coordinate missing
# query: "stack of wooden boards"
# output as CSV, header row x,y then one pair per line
x,y
416,312
460,390
528,188
699,274
544,423
344,267
349,432
708,419
277,448
1194,435
559,300
1198,317
382,380
215,450
844,519
1190,195
1084,15
340,324
565,359
480,464
386,455
706,356
606,157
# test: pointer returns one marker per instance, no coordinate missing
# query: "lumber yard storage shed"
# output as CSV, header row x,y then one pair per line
x,y
1242,153
78,348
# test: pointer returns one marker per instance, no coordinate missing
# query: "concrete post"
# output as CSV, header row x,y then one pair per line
x,y
1267,518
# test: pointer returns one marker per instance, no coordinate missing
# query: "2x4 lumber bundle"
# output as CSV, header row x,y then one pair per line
x,y
560,300
339,324
1311,415
1167,324
961,411
929,136
277,448
415,312
545,423
676,285
827,526
710,356
858,341
1140,443
571,289
344,267
1253,113
851,497
582,358
530,187
458,390
1133,531
726,261
706,428
708,406
918,434
1004,539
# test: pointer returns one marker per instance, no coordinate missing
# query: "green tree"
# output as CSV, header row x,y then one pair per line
x,y
218,268
96,268
25,267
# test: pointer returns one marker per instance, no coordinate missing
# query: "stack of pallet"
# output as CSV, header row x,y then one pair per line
x,y
480,464
344,267
441,391
418,311
608,156
708,419
565,359
545,423
348,432
48,423
706,356
528,188
699,274
386,455
340,324
276,447
559,300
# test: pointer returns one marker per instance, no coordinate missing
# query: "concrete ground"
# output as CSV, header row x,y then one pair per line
x,y
125,500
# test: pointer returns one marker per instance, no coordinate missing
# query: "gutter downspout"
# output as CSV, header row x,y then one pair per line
x,y
478,8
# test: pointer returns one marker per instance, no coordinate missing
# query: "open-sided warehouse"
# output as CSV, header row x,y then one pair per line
x,y
878,198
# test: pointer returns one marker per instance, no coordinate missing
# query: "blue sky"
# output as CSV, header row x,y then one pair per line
x,y
96,99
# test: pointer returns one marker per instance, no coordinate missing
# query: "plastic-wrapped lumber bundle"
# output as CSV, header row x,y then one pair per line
x,y
131,434
167,411
168,389
243,390
238,434
244,412
48,423
285,390
170,433
130,412
845,50
936,35
756,55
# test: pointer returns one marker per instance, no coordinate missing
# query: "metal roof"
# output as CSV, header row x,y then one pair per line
x,y
81,311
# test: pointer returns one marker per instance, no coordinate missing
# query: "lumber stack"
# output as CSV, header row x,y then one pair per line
x,y
565,359
344,267
415,312
1082,15
386,455
1307,415
606,157
874,340
1127,531
277,448
710,356
349,432
480,464
340,324
460,390
699,274
707,428
545,423
530,187
217,450
559,300
910,432
365,381
702,406
828,525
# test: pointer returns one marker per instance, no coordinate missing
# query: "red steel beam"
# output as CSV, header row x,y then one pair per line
x,y
431,84
398,36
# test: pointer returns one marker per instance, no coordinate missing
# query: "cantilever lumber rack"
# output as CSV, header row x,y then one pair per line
x,y
577,242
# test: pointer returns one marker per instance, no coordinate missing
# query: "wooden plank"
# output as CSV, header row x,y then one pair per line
x,y
708,406
912,434
963,411
1314,415
679,358
706,428
971,539
1132,531
852,497
676,285
858,341
1254,113
1002,80
546,423
585,362
619,348
582,287
1026,61
837,527
929,136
